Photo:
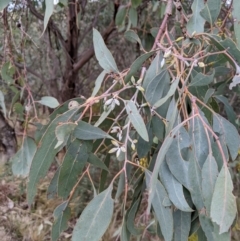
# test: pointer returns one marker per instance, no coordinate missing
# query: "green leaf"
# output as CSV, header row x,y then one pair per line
x,y
63,131
102,117
62,214
207,226
137,64
143,147
169,94
74,161
53,186
136,119
211,11
21,161
202,79
136,3
2,104
199,140
95,218
155,88
102,53
177,165
209,177
131,218
221,237
125,234
104,173
235,14
196,22
7,73
4,3
48,12
44,155
98,83
228,108
133,16
228,133
223,206
182,224
164,214
85,131
122,11
49,101
195,182
131,36
95,161
153,70
174,188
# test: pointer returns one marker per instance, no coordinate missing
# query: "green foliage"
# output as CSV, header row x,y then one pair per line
x,y
163,147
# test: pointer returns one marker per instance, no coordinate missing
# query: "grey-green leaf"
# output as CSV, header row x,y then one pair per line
x,y
209,177
95,161
2,104
122,10
131,36
95,218
48,12
49,101
98,83
196,22
211,11
235,13
74,161
137,64
102,53
62,214
174,188
169,94
155,88
202,79
228,132
21,161
182,224
85,131
164,214
44,155
136,119
133,16
223,206
195,182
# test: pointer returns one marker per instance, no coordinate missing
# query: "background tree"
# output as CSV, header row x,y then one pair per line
x,y
153,127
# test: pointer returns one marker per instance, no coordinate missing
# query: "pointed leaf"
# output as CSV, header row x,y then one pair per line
x,y
235,13
131,36
45,153
102,53
21,161
53,186
207,226
62,214
95,161
102,117
72,166
211,11
155,88
169,94
136,119
174,188
95,218
196,22
133,16
228,132
202,79
223,206
64,130
137,64
48,12
164,214
120,16
209,177
85,131
98,83
136,3
182,224
49,101
195,182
